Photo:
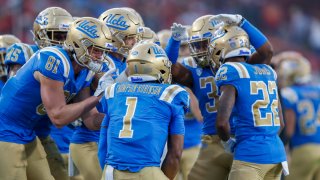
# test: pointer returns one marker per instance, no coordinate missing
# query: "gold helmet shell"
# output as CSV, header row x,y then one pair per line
x,y
292,68
227,42
147,35
148,62
50,26
85,33
202,30
164,36
6,40
123,24
136,13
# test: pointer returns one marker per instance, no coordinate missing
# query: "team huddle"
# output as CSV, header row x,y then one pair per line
x,y
108,98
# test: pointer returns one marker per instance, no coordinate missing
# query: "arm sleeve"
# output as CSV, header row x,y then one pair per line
x,y
227,75
102,145
179,106
52,66
289,97
16,54
102,105
172,50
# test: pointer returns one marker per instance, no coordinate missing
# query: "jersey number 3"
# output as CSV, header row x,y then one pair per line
x,y
126,131
264,103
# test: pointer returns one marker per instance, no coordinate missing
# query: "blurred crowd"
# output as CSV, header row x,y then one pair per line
x,y
289,24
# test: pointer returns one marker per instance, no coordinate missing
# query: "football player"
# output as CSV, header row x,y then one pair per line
x,y
128,36
251,92
49,29
213,161
141,116
42,85
193,118
301,101
6,41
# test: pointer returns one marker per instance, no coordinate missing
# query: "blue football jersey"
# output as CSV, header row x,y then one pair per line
x,y
20,53
118,64
62,136
304,100
1,85
256,109
139,117
20,102
205,89
193,128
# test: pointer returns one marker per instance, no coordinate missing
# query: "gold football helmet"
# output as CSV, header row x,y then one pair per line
x,y
164,36
147,36
89,40
148,62
201,31
50,26
292,68
228,42
136,13
6,41
124,25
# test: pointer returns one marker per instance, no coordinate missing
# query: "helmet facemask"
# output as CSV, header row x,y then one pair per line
x,y
93,57
199,51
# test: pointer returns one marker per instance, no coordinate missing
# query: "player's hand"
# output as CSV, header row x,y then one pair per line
x,y
105,81
179,32
227,19
229,145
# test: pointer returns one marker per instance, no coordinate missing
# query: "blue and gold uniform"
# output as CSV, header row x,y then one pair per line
x,y
20,53
257,121
22,94
304,101
150,112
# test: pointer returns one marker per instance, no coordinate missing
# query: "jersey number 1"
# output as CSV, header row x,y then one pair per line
x,y
126,131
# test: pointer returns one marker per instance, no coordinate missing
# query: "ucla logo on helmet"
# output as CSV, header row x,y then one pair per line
x,y
42,19
63,26
117,21
111,47
134,53
158,52
89,29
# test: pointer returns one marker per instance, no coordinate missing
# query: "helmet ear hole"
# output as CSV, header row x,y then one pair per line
x,y
162,71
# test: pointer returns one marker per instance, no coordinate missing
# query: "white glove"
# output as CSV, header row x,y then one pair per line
x,y
179,32
229,145
105,81
227,19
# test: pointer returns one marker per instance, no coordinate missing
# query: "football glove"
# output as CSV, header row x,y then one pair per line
x,y
104,82
229,145
227,19
179,32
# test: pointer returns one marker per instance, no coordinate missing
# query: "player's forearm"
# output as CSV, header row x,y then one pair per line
x,y
66,114
226,103
170,165
223,130
93,119
181,75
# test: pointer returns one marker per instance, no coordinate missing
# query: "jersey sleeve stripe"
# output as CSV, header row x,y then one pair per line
x,y
65,62
242,70
170,92
111,64
109,93
26,53
90,75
